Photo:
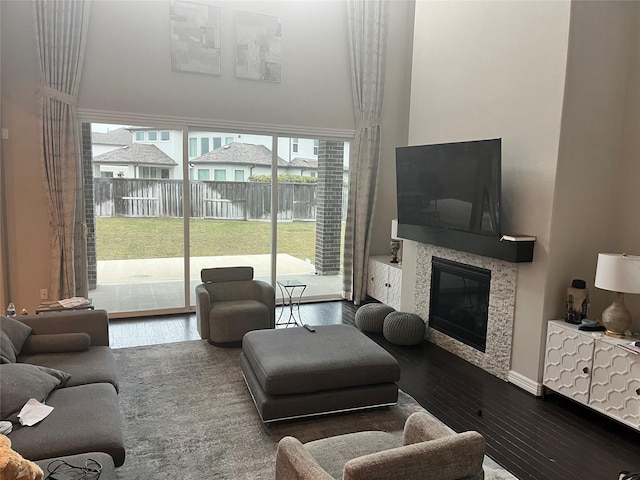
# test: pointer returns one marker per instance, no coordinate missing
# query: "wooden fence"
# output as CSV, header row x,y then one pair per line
x,y
134,197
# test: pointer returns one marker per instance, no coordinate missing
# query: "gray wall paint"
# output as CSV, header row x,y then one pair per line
x,y
556,95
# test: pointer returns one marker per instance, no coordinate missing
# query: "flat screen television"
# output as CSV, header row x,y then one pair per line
x,y
452,186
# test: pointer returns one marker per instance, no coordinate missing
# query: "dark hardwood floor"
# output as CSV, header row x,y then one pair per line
x,y
534,438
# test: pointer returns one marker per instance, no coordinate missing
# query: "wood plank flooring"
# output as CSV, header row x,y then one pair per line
x,y
534,438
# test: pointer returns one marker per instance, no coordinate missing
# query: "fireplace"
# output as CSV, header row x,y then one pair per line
x,y
499,304
460,301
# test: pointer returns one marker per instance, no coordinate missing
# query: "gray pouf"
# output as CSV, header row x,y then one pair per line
x,y
403,328
370,317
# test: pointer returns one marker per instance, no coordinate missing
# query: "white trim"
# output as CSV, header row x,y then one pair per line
x,y
164,121
525,383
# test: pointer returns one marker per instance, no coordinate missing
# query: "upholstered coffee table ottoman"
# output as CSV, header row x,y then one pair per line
x,y
293,372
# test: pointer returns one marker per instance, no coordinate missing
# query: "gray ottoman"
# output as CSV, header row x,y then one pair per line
x,y
403,328
296,373
370,317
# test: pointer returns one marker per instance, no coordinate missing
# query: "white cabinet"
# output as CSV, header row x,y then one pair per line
x,y
593,369
567,366
384,281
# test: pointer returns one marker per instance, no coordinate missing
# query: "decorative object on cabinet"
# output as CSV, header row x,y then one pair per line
x,y
619,273
595,370
396,244
577,302
394,247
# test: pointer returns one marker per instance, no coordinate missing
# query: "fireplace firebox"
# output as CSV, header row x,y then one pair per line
x,y
460,301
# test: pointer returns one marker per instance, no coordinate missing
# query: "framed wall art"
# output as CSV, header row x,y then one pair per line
x,y
258,47
195,37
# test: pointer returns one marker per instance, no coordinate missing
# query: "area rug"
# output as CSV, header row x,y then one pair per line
x,y
187,414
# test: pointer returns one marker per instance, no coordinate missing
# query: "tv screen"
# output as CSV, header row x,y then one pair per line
x,y
450,186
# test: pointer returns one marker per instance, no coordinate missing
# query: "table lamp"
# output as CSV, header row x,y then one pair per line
x,y
619,273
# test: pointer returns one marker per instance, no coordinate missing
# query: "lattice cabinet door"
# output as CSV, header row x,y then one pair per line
x,y
568,361
394,286
377,280
615,383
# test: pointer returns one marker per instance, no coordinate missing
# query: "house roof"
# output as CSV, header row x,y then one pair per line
x,y
137,154
303,162
120,136
242,153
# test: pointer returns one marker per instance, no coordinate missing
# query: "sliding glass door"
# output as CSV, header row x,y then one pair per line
x,y
230,202
168,203
135,223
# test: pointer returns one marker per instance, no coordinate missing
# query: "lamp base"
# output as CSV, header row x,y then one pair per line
x,y
614,334
616,317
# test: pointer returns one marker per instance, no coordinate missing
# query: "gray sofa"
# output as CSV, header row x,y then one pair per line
x,y
64,360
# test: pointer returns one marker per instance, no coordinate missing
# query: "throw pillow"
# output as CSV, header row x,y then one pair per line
x,y
20,381
56,343
13,333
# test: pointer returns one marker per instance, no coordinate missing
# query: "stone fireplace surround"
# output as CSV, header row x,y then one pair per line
x,y
502,294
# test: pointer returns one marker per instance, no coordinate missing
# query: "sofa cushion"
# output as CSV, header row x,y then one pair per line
x,y
57,343
13,334
96,365
84,419
20,382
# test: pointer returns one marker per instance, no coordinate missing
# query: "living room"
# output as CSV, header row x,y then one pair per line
x,y
559,82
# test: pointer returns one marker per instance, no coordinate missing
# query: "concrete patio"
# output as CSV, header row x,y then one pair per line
x,y
129,287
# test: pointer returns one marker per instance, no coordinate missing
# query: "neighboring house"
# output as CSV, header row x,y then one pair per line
x,y
234,162
168,141
103,142
297,156
136,161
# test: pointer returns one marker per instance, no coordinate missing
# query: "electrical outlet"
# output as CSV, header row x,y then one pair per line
x,y
44,294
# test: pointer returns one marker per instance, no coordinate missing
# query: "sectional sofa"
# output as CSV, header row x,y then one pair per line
x,y
64,360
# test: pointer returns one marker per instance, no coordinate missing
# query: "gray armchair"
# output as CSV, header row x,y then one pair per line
x,y
429,450
230,303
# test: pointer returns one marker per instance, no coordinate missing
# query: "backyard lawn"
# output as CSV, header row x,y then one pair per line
x,y
119,238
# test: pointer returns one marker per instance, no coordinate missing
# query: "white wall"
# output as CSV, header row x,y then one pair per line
x,y
127,66
595,157
497,69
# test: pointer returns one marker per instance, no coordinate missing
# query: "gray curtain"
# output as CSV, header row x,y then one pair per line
x,y
367,26
61,30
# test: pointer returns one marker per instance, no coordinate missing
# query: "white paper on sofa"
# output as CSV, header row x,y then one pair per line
x,y
33,412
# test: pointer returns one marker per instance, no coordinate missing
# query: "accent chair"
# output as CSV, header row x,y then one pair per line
x,y
428,449
230,303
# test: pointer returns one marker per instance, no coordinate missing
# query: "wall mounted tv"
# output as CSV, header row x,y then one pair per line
x,y
449,186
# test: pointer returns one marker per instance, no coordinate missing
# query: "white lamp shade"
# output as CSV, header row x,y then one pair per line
x,y
618,273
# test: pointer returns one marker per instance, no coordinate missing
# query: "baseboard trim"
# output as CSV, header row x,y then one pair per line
x,y
525,383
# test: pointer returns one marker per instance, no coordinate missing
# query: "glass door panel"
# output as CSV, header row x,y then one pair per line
x,y
136,229
312,183
230,203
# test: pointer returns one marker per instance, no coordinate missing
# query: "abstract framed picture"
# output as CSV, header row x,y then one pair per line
x,y
195,37
258,47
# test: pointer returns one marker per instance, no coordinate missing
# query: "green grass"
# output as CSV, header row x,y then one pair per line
x,y
119,238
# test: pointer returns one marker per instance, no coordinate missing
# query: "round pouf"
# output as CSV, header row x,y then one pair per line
x,y
404,328
370,317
